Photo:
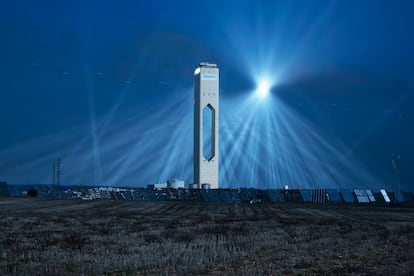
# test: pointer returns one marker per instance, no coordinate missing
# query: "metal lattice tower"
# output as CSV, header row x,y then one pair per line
x,y
395,163
58,171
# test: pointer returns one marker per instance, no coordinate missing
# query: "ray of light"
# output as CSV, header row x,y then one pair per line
x,y
263,144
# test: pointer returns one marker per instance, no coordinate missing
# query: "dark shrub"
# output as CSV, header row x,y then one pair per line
x,y
32,192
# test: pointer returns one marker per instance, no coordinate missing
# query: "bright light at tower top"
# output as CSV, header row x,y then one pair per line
x,y
263,88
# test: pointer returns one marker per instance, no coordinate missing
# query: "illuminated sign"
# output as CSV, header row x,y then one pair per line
x,y
208,76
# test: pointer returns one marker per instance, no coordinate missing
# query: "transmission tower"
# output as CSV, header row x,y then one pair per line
x,y
54,173
58,171
395,163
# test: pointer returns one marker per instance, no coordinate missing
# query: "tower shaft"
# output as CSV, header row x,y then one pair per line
x,y
206,118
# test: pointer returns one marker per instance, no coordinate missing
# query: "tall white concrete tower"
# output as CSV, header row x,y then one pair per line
x,y
206,118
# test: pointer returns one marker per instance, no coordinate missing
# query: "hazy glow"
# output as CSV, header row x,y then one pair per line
x,y
272,146
263,88
263,144
269,146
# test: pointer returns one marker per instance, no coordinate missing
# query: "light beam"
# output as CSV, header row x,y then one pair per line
x,y
263,88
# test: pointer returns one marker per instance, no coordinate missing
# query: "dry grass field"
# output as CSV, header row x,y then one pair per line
x,y
72,237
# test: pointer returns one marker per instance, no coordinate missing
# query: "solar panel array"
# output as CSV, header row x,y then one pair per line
x,y
313,195
370,196
235,196
385,196
364,196
319,196
347,196
378,198
361,196
408,196
293,195
15,191
333,195
212,195
275,195
306,195
226,196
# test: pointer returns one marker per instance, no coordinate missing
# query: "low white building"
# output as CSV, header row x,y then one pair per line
x,y
175,183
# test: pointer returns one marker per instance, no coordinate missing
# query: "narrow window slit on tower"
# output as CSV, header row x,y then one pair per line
x,y
208,132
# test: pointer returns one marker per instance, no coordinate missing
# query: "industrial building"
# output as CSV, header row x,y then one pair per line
x,y
173,183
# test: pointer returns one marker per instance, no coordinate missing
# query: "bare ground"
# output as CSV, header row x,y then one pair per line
x,y
72,237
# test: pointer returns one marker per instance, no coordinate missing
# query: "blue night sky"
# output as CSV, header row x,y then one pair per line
x,y
107,86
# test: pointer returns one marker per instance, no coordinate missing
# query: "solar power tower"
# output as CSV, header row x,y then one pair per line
x,y
206,117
